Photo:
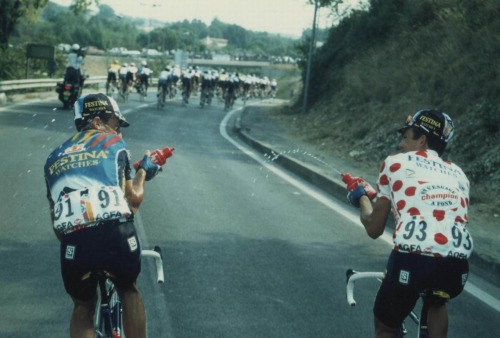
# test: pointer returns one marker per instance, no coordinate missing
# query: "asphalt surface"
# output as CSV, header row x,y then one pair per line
x,y
257,128
249,251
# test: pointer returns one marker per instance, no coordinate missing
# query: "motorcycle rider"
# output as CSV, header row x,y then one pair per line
x,y
75,61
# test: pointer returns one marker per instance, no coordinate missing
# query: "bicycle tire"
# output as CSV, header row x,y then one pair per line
x,y
108,315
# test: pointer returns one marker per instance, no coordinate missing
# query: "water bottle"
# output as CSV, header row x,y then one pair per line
x,y
353,182
158,156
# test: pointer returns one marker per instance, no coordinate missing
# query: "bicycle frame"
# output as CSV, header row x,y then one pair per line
x,y
108,315
352,276
108,318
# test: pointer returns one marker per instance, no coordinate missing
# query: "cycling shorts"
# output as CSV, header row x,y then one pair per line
x,y
111,77
111,246
162,83
409,274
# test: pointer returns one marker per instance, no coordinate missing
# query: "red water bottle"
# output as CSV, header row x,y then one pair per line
x,y
158,156
350,180
353,182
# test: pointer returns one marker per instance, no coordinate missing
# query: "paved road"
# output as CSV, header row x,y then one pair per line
x,y
249,251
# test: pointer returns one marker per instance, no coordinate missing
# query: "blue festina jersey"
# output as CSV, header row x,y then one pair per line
x,y
85,178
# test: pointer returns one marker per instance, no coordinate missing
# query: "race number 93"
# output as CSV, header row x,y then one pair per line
x,y
418,230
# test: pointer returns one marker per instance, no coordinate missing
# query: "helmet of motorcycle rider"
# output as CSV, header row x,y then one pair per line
x,y
437,125
75,47
92,105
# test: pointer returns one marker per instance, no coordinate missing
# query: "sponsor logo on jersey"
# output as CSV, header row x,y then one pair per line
x,y
439,195
76,148
73,160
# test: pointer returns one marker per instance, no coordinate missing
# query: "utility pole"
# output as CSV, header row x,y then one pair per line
x,y
309,59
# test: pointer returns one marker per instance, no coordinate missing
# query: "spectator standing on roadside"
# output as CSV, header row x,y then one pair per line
x,y
429,199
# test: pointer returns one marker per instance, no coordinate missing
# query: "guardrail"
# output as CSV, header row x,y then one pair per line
x,y
12,85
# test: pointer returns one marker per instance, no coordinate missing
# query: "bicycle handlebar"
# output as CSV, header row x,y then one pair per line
x,y
352,276
156,254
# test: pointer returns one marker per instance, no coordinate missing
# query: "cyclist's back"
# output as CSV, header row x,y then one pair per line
x,y
429,199
92,199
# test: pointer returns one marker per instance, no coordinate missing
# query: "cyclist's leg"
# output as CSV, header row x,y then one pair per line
x,y
126,267
76,261
448,280
81,324
384,331
134,314
398,293
437,320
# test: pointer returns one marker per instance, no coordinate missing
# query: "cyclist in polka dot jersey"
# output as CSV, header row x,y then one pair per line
x,y
429,199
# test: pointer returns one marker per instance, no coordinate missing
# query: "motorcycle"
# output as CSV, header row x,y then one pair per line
x,y
69,92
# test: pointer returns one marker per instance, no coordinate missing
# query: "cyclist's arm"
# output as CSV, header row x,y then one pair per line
x,y
134,190
374,217
51,208
52,217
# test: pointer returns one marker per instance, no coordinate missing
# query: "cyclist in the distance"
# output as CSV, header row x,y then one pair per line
x,y
93,199
112,78
429,199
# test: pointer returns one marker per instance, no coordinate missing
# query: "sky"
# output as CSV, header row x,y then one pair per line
x,y
287,17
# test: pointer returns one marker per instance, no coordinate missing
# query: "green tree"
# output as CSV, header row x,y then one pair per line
x,y
11,11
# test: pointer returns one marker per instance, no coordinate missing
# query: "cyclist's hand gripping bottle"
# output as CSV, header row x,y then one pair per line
x,y
157,156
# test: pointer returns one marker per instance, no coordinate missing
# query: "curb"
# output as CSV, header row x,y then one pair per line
x,y
481,266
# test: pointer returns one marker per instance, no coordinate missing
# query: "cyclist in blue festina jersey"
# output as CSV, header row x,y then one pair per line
x,y
93,199
429,198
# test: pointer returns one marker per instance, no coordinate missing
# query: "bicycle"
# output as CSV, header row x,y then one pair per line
x,y
140,86
111,88
161,98
421,322
108,314
205,97
124,91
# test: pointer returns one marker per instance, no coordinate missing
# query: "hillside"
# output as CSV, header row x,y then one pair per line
x,y
447,59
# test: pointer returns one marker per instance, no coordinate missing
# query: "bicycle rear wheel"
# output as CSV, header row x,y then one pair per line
x,y
108,315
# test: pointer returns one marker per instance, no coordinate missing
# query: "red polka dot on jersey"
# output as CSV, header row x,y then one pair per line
x,y
382,167
400,205
414,211
397,185
422,153
395,167
410,191
384,180
438,214
440,238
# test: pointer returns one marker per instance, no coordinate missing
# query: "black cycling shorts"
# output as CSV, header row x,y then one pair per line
x,y
111,246
408,275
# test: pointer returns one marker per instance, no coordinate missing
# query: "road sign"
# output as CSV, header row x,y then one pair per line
x,y
37,51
